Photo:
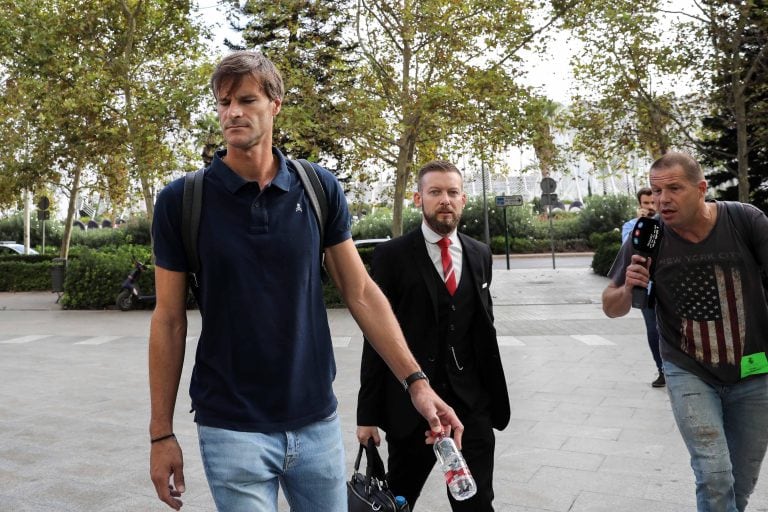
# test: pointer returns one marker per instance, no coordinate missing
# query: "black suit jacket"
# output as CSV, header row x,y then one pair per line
x,y
403,270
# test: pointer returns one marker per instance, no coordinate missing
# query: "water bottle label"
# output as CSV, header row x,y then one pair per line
x,y
452,474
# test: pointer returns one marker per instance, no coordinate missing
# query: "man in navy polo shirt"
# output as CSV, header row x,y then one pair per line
x,y
261,387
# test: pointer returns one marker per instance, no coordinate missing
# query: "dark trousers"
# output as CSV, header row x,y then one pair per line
x,y
652,331
411,460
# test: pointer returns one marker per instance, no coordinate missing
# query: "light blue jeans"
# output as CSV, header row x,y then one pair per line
x,y
726,431
245,469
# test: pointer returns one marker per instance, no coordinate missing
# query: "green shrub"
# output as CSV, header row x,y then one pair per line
x,y
25,258
331,295
603,258
379,223
12,228
519,245
607,246
606,238
18,275
136,231
93,279
95,238
605,213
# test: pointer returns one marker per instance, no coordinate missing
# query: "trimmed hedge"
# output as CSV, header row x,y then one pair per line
x,y
93,279
25,276
538,245
607,246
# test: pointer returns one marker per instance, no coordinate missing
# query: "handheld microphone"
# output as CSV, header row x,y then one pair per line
x,y
646,237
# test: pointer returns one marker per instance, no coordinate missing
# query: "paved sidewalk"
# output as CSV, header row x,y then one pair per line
x,y
588,433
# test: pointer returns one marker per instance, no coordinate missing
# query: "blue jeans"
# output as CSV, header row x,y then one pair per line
x,y
245,469
652,332
726,431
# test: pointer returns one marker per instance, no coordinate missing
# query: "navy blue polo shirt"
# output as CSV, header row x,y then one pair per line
x,y
264,360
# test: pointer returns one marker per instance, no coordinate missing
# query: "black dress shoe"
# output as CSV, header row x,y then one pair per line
x,y
660,382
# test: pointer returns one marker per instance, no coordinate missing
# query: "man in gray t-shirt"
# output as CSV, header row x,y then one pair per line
x,y
712,318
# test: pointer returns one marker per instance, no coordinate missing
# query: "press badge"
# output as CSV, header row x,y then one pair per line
x,y
754,364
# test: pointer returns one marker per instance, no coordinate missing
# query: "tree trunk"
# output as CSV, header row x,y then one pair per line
x,y
407,139
149,197
401,180
407,147
73,193
742,142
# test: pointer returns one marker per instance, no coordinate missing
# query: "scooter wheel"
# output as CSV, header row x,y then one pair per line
x,y
126,301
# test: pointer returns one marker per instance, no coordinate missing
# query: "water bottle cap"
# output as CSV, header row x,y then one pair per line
x,y
399,500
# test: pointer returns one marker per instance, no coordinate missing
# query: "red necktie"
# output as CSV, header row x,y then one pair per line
x,y
448,274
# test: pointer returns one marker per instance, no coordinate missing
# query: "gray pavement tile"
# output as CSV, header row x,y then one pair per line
x,y
576,430
604,502
534,496
610,447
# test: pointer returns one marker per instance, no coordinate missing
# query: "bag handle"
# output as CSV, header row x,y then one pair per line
x,y
374,464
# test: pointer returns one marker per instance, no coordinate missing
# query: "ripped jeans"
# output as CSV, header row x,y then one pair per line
x,y
726,431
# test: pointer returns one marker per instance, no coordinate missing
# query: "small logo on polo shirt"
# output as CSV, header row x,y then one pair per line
x,y
298,208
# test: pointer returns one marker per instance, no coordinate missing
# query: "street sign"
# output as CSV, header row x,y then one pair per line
x,y
548,199
548,185
43,215
43,203
514,200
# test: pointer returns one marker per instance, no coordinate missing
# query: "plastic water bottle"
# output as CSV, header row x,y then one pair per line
x,y
457,476
401,504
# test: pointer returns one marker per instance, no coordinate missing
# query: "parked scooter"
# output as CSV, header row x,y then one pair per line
x,y
130,296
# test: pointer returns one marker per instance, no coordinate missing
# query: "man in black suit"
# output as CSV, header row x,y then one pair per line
x,y
443,304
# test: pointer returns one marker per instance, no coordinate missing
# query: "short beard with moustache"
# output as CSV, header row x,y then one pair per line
x,y
441,227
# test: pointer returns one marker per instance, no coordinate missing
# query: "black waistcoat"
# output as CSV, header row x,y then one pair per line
x,y
457,373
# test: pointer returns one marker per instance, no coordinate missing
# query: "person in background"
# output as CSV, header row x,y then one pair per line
x,y
713,319
438,282
261,386
646,209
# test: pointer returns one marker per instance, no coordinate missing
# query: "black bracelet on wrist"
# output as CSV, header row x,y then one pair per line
x,y
162,438
410,379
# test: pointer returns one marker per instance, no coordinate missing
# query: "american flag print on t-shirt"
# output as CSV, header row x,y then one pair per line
x,y
709,301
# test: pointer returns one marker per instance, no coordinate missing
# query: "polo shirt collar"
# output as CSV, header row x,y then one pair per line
x,y
234,182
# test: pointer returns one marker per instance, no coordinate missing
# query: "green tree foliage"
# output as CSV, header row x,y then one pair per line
x,y
95,94
717,49
732,60
623,111
443,73
305,39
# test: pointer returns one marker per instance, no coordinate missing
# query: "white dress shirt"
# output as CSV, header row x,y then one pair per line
x,y
433,250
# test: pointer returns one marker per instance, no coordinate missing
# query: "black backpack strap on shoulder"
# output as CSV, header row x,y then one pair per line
x,y
192,205
315,192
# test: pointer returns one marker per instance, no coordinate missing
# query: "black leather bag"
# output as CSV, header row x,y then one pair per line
x,y
369,492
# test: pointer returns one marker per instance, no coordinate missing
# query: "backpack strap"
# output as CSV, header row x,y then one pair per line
x,y
315,192
191,206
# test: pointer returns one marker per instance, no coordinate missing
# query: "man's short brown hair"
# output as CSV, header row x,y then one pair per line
x,y
235,66
689,165
437,166
645,191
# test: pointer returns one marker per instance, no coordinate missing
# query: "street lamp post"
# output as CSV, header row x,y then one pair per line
x,y
485,205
